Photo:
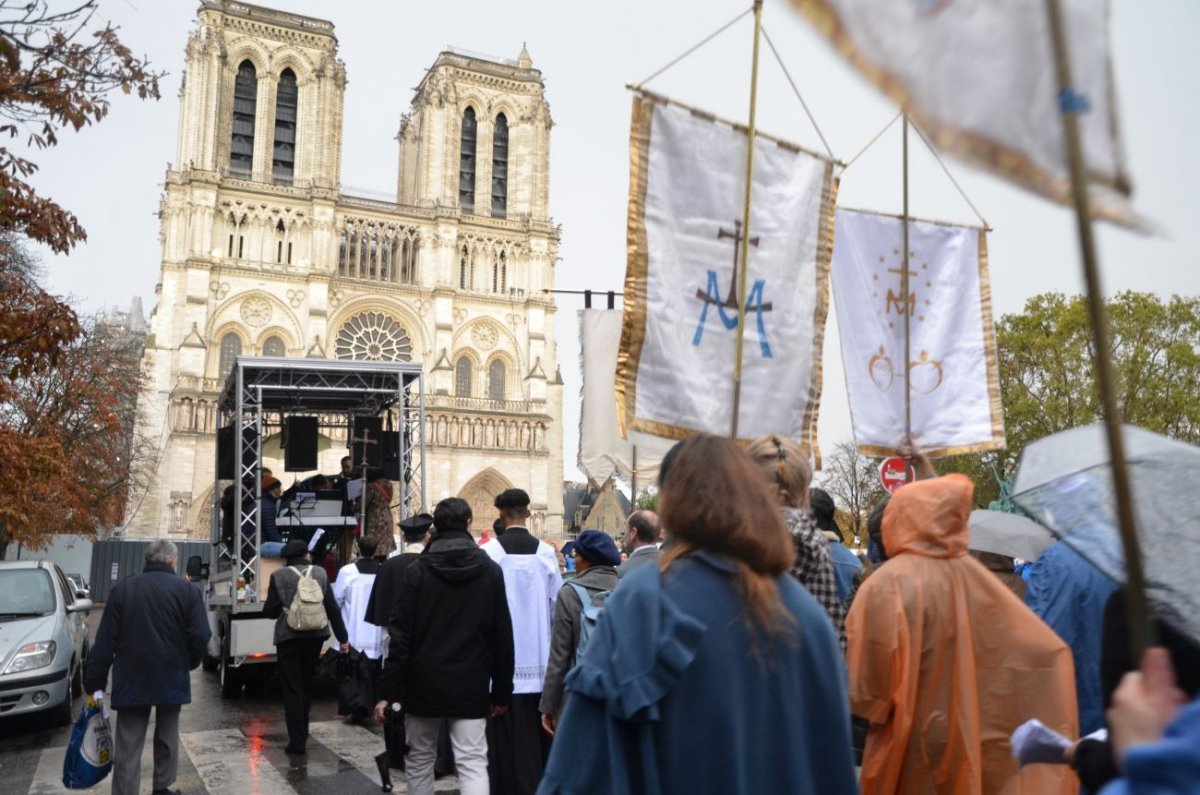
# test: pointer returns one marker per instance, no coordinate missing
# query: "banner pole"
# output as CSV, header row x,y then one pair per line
x,y
908,302
745,230
633,484
1141,631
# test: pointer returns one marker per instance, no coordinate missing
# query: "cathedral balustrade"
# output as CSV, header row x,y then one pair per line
x,y
265,181
199,385
193,415
363,199
282,18
484,404
475,432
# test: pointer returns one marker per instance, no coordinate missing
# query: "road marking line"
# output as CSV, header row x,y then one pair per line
x,y
358,745
229,761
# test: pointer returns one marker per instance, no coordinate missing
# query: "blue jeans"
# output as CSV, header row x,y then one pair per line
x,y
271,549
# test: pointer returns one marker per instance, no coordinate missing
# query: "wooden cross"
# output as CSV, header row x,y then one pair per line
x,y
364,440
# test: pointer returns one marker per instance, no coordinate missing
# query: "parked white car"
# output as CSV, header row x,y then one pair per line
x,y
43,640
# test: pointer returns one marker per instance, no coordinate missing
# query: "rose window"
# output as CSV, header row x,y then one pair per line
x,y
373,336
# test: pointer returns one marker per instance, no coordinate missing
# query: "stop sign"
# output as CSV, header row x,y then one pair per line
x,y
894,472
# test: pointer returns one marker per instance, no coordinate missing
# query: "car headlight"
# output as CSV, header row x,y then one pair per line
x,y
32,656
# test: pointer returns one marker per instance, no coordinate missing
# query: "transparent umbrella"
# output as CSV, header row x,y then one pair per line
x,y
1008,534
1065,482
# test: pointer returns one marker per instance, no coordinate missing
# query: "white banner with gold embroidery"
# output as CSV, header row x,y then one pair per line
x,y
675,368
977,76
953,375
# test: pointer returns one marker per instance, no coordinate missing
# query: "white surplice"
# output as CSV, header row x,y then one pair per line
x,y
531,583
352,591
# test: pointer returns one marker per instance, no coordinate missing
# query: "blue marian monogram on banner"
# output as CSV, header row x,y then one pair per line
x,y
711,295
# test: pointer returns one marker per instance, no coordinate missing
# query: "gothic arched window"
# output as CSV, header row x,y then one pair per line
x,y
408,261
274,347
245,106
500,273
231,348
283,159
466,162
462,377
500,167
496,375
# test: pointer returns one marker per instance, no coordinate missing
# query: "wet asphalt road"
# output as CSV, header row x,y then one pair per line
x,y
227,745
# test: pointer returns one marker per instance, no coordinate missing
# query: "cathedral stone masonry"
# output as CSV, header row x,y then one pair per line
x,y
264,254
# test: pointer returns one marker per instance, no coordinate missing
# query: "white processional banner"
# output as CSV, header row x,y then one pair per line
x,y
953,373
602,451
978,77
675,369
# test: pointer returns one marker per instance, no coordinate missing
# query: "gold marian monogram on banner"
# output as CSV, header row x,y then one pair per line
x,y
925,373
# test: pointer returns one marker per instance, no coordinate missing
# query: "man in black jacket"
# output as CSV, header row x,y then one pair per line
x,y
153,633
386,592
451,654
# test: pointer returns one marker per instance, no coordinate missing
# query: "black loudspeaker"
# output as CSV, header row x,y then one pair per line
x,y
374,428
299,444
391,455
227,455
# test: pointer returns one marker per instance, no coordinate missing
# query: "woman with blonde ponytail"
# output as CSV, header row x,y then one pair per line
x,y
714,671
788,475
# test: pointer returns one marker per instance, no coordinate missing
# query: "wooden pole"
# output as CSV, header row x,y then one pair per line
x,y
745,230
633,478
908,303
366,441
1141,631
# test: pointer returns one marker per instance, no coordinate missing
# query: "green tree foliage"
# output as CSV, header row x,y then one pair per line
x,y
647,500
1048,385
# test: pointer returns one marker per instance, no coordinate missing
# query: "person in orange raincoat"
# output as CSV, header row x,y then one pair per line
x,y
945,662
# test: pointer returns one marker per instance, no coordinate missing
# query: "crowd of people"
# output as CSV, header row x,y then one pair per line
x,y
734,643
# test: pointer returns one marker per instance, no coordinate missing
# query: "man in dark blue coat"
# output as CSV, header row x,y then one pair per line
x,y
153,632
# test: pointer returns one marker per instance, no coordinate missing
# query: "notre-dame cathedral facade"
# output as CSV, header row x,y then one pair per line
x,y
263,254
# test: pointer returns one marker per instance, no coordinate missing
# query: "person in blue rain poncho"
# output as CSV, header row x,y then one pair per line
x,y
1069,594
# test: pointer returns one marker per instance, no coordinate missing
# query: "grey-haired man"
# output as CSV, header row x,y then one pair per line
x,y
153,632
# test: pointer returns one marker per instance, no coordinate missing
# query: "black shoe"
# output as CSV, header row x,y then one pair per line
x,y
294,751
166,792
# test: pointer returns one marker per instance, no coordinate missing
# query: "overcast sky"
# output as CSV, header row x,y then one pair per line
x,y
111,175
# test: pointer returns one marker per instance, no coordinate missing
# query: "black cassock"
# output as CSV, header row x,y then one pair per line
x,y
380,606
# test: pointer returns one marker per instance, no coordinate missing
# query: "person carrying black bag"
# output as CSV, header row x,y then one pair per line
x,y
299,634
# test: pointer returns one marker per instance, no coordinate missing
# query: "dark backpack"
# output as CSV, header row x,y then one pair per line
x,y
593,608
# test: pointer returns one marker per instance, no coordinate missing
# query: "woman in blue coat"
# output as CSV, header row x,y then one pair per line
x,y
714,671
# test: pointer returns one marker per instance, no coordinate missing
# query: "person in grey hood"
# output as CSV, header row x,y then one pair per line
x,y
451,652
596,558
